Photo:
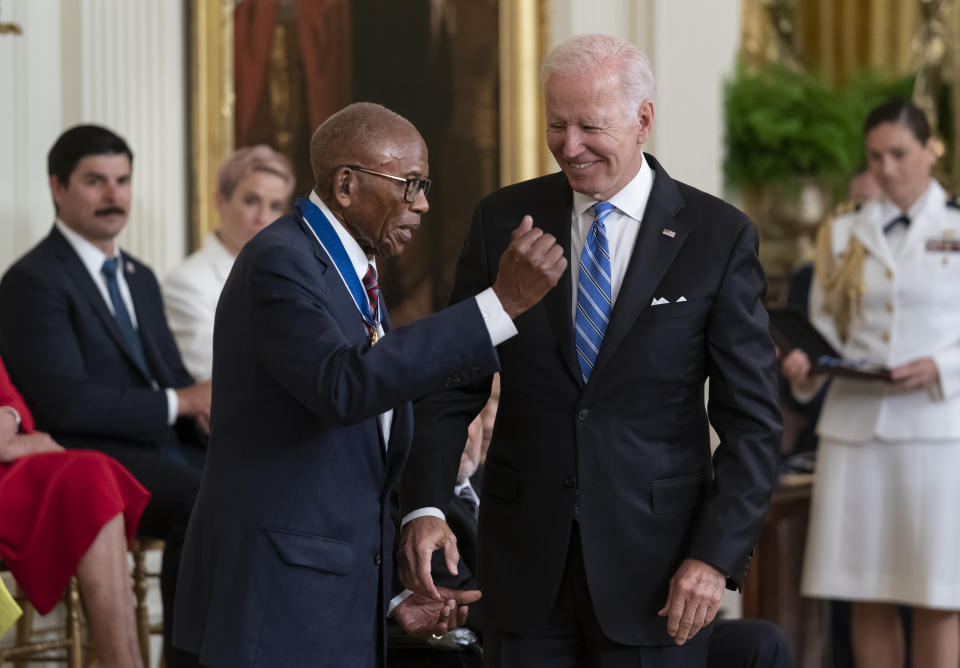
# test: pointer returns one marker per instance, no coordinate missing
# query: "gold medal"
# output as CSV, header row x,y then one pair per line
x,y
374,337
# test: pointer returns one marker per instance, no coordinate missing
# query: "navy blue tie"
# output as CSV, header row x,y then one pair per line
x,y
902,219
122,316
594,299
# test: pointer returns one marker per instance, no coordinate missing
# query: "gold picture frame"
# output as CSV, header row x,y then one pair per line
x,y
524,40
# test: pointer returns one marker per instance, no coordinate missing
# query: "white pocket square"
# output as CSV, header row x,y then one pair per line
x,y
682,299
658,301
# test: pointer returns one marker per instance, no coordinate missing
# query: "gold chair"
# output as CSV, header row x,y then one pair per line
x,y
141,586
28,650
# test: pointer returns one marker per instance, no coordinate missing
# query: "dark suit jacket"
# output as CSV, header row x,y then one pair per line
x,y
627,455
66,354
288,553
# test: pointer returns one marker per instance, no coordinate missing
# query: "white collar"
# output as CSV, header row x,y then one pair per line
x,y
220,253
356,254
631,200
91,256
890,211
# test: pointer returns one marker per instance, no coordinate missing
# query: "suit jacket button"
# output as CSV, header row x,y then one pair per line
x,y
378,559
448,381
583,414
570,482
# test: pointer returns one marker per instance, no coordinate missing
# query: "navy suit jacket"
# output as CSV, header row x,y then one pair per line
x,y
626,455
66,354
288,557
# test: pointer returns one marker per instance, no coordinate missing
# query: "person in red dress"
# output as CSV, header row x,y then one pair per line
x,y
63,513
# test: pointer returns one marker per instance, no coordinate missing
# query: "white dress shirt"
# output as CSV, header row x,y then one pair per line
x,y
622,226
93,259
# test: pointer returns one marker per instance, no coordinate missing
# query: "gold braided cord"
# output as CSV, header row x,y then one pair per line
x,y
841,281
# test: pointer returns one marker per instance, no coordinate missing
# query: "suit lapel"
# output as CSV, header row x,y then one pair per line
x,y
81,278
345,311
653,253
553,216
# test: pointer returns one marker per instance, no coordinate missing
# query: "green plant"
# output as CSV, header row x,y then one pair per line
x,y
782,125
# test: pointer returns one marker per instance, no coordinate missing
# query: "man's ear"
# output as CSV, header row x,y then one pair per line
x,y
56,190
644,121
343,186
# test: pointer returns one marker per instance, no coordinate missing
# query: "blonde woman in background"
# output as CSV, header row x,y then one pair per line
x,y
254,187
883,529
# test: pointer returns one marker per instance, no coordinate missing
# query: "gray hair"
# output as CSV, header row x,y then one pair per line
x,y
584,52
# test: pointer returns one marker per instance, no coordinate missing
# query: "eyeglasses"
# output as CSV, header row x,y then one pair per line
x,y
412,184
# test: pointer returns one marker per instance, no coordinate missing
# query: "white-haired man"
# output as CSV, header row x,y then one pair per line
x,y
607,532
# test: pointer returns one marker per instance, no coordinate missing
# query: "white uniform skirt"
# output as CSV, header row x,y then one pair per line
x,y
885,523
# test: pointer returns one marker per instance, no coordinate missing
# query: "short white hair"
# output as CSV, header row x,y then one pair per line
x,y
585,52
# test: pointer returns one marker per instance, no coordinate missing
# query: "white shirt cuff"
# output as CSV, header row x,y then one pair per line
x,y
499,325
423,512
173,405
397,600
16,415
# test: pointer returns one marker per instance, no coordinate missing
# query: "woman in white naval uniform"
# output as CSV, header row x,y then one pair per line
x,y
254,186
883,526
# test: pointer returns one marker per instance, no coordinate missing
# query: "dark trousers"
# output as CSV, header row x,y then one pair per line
x,y
574,638
173,483
748,643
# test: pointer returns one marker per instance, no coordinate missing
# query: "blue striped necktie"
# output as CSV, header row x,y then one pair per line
x,y
593,291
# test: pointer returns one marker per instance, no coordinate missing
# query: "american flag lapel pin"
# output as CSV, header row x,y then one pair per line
x,y
667,232
130,267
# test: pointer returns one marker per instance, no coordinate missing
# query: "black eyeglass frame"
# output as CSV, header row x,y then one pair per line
x,y
412,184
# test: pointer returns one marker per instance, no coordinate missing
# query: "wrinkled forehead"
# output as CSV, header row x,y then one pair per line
x,y
597,92
406,147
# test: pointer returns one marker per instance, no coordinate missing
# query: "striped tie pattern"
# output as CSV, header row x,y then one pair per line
x,y
371,284
593,291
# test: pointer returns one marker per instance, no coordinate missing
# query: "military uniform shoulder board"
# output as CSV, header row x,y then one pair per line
x,y
952,203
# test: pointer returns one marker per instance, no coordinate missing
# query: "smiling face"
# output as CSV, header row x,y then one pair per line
x,y
95,202
372,206
595,138
899,163
258,199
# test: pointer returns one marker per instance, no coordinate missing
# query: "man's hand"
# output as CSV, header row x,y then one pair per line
x,y
421,616
531,265
694,598
917,374
419,538
194,401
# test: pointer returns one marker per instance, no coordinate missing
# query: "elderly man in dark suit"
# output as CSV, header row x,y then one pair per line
x,y
607,530
288,557
83,333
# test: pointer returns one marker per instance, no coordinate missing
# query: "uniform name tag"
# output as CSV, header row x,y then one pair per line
x,y
936,245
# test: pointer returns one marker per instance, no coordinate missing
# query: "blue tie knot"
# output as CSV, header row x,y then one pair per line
x,y
601,209
109,268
